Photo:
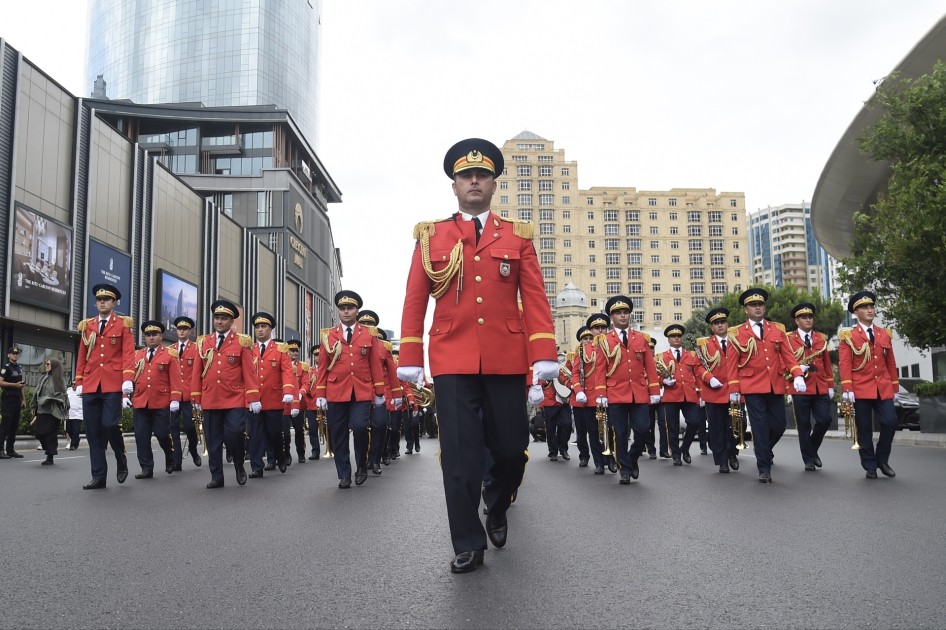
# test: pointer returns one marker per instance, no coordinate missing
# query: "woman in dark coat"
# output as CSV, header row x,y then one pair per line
x,y
50,407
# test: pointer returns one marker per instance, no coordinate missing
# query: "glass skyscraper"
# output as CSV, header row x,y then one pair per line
x,y
215,52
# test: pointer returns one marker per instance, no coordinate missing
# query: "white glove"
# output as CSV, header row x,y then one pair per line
x,y
126,402
78,390
544,371
831,393
799,384
580,398
411,374
848,396
294,413
714,383
128,387
287,399
654,400
734,397
702,403
175,406
788,399
602,401
805,368
379,400
255,407
535,394
398,402
670,382
321,403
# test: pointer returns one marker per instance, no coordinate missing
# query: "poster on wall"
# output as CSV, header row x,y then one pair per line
x,y
110,266
307,320
42,261
176,297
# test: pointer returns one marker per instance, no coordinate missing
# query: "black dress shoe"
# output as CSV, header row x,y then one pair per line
x,y
386,460
145,475
599,470
361,475
466,561
817,461
98,484
872,473
281,466
810,467
177,468
635,471
122,474
765,478
625,479
887,470
169,464
4,455
734,462
315,455
417,447
665,456
240,474
724,468
270,466
288,459
652,455
256,474
14,455
702,450
301,459
410,450
565,456
583,462
496,529
229,459
686,458
344,483
612,464
196,457
216,483
376,469
48,461
553,457
677,461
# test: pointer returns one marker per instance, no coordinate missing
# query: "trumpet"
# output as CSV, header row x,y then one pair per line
x,y
846,409
199,428
423,396
324,437
607,438
738,426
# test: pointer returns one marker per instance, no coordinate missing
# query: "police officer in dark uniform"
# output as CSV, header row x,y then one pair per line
x,y
11,380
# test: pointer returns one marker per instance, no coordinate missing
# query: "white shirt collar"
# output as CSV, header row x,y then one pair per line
x,y
721,339
469,217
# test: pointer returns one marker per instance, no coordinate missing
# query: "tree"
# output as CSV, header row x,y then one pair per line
x,y
899,245
828,317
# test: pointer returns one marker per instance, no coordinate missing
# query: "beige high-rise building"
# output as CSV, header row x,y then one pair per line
x,y
670,251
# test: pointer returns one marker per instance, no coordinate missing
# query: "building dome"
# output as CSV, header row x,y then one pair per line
x,y
571,296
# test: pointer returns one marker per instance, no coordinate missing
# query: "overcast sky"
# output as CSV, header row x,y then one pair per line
x,y
743,95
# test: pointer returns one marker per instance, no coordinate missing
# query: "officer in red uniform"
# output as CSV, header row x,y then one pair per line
x,y
184,416
811,349
225,385
104,370
476,264
869,379
158,388
395,399
589,385
380,418
716,354
277,388
310,398
348,383
684,377
631,382
300,371
763,356
558,417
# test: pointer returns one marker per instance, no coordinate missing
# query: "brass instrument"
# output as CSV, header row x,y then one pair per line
x,y
738,425
423,396
846,409
199,428
809,361
323,432
607,438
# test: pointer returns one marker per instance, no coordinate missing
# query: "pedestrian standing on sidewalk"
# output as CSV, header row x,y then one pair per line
x,y
74,421
49,407
11,381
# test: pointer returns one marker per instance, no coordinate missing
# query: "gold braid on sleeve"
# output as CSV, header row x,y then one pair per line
x,y
845,337
441,279
749,349
611,356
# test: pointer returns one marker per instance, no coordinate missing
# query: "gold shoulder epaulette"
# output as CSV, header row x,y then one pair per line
x,y
823,336
598,338
325,331
374,331
522,229
427,226
732,335
200,340
389,346
646,336
844,334
246,341
305,366
890,332
570,356
779,325
172,351
701,341
282,347
129,322
82,325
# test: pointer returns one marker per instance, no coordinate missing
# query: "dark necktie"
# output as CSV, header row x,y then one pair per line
x,y
724,346
808,341
262,349
677,352
150,354
102,326
870,335
624,337
181,352
220,339
761,336
479,226
348,336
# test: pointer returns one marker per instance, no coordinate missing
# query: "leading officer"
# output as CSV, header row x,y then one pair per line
x,y
476,264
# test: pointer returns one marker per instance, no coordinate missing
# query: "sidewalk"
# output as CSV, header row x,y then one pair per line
x,y
901,438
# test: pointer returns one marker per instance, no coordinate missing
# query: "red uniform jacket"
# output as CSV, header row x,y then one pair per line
x,y
309,389
689,373
347,369
586,358
821,375
710,353
301,370
275,375
105,361
477,328
159,382
630,374
548,391
760,365
188,361
392,386
225,379
870,371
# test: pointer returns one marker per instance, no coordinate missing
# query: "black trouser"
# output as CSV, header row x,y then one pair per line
x,y
864,411
558,427
183,418
74,429
394,430
343,416
767,417
722,441
224,426
148,422
656,424
586,425
694,417
810,434
298,428
10,406
265,431
102,414
477,412
670,423
379,433
625,417
312,416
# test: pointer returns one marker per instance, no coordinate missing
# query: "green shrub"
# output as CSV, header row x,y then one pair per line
x,y
931,389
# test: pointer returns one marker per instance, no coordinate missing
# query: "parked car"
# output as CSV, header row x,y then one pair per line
x,y
907,404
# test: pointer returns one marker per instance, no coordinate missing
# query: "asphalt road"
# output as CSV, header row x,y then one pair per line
x,y
681,547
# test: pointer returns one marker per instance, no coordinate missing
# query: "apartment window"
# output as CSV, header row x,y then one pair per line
x,y
547,228
717,273
678,301
519,158
672,201
589,201
696,273
674,244
524,200
633,259
610,215
674,260
716,245
567,258
545,185
735,260
652,216
655,273
592,273
674,230
551,288
696,259
591,244
566,229
523,170
612,288
566,200
698,302
719,288
547,258
734,217
564,171
545,171
612,273
714,216
655,288
591,229
546,158
678,317
546,215
591,259
568,272
546,243
567,242
651,201
632,230
632,215
694,230
657,301
612,243
635,273
263,209
737,273
548,273
546,200
594,301
611,229
566,185
637,317
735,231
633,243
612,259
717,259
694,216
735,244
504,185
717,230
504,199
658,317
524,185
697,287
655,244
675,273
732,203
594,289
525,214
695,244
591,215
504,213
673,216
655,259
635,288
